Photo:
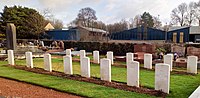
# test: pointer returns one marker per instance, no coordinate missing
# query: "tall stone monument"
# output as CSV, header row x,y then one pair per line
x,y
11,36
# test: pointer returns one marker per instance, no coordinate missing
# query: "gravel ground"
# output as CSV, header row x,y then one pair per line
x,y
14,89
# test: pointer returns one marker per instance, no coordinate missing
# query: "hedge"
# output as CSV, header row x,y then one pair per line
x,y
119,49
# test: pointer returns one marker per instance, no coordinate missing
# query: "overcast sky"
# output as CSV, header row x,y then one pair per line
x,y
108,11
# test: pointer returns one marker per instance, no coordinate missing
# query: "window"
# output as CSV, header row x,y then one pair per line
x,y
174,37
181,37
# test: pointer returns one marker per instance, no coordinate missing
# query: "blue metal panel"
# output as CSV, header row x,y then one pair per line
x,y
135,33
71,34
178,31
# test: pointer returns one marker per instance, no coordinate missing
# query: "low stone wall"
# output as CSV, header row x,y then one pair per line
x,y
193,51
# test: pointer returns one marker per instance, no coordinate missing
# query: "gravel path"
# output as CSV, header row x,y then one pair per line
x,y
14,89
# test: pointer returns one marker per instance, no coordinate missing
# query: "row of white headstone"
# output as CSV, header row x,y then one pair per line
x,y
162,70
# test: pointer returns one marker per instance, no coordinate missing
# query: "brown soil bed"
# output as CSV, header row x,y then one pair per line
x,y
113,84
15,89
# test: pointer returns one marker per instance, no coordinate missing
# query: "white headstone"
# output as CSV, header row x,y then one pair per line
x,y
168,59
85,67
192,64
47,62
3,51
29,59
162,77
196,93
82,53
42,43
133,69
67,64
96,57
11,57
68,52
148,61
105,69
129,57
110,56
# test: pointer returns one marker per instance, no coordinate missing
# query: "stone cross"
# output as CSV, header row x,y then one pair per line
x,y
129,57
85,67
96,57
29,59
105,69
148,61
11,57
110,56
11,36
192,64
162,77
168,59
68,64
47,62
133,69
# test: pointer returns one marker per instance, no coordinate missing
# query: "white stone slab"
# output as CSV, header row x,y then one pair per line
x,y
3,51
67,61
196,93
68,52
129,57
105,69
82,53
162,77
85,67
192,64
11,57
148,61
47,62
133,69
96,57
29,59
110,56
168,59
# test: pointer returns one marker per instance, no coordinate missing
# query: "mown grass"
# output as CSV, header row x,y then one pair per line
x,y
180,85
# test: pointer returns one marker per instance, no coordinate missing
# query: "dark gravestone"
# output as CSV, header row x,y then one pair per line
x,y
11,36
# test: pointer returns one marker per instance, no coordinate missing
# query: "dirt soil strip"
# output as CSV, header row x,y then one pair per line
x,y
113,84
124,66
15,89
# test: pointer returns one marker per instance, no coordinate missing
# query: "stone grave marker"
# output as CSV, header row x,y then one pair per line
x,y
96,57
133,69
85,67
162,77
105,69
148,61
192,64
29,59
68,64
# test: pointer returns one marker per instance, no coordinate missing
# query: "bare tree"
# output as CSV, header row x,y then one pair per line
x,y
179,15
191,13
87,16
47,14
197,11
157,22
137,21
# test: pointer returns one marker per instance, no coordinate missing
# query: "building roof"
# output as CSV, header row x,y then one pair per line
x,y
49,26
94,30
177,28
195,30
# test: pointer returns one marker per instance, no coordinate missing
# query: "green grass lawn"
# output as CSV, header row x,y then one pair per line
x,y
181,86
